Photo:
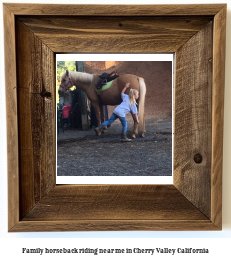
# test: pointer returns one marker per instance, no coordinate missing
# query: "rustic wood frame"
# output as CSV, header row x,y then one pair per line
x,y
33,33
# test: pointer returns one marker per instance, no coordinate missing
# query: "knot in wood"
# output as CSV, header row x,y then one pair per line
x,y
198,158
45,94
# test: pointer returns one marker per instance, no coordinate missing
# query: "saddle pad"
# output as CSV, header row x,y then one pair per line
x,y
104,87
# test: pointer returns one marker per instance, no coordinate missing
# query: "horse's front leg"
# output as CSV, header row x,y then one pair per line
x,y
102,114
135,129
97,112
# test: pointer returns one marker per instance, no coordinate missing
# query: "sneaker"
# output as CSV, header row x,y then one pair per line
x,y
124,137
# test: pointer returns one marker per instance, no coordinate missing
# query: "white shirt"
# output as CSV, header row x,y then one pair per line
x,y
125,107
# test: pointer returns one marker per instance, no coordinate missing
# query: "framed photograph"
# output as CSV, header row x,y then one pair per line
x,y
34,34
83,157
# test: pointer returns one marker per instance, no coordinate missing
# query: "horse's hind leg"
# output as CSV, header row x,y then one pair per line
x,y
143,130
135,129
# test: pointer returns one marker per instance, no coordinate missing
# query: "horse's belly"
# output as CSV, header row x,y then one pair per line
x,y
108,99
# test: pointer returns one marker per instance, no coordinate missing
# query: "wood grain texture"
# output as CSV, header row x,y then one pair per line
x,y
115,10
36,106
218,114
194,201
12,120
114,34
113,202
193,126
113,207
114,225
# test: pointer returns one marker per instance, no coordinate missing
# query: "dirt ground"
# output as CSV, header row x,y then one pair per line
x,y
82,153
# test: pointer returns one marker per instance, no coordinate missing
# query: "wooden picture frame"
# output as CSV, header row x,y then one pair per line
x,y
33,34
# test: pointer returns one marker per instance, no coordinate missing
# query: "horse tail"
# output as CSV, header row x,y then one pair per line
x,y
142,95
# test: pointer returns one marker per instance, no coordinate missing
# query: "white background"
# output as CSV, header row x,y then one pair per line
x,y
218,243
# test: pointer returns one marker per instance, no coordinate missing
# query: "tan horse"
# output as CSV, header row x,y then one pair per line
x,y
112,96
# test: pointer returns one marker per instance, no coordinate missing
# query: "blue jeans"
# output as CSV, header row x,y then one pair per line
x,y
113,118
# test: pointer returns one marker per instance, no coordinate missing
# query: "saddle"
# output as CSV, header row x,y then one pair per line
x,y
105,78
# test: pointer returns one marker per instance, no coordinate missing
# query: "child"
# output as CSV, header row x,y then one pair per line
x,y
128,105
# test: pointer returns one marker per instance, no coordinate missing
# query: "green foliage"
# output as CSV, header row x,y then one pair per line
x,y
62,66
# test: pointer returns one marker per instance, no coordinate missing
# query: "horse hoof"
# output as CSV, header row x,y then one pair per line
x,y
97,131
133,136
142,135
